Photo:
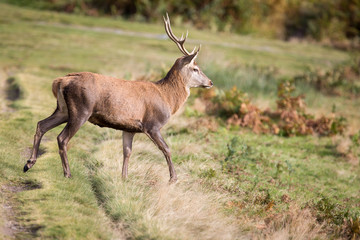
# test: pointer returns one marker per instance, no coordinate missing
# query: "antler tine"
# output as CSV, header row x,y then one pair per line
x,y
179,43
169,32
182,39
193,51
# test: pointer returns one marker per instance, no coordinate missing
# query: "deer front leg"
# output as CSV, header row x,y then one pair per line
x,y
159,141
127,148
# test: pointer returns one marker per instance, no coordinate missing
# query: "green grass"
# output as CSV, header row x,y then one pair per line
x,y
212,200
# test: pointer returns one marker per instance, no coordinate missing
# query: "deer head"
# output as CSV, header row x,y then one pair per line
x,y
186,65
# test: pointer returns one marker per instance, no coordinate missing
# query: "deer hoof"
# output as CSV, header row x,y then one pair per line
x,y
28,165
67,175
172,180
26,168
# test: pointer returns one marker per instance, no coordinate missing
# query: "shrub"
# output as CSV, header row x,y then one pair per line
x,y
289,119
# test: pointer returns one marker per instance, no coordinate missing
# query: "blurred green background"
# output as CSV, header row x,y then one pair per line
x,y
335,21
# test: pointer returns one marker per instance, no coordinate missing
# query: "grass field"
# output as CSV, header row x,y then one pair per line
x,y
281,188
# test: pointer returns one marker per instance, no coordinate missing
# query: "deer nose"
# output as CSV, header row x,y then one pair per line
x,y
211,83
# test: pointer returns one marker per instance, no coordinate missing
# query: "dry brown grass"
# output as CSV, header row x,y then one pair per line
x,y
296,224
345,148
185,210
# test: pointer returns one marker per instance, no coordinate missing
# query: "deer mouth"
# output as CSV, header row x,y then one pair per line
x,y
208,86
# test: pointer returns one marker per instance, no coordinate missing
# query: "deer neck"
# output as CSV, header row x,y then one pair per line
x,y
174,90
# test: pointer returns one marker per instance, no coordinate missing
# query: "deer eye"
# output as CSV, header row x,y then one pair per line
x,y
196,70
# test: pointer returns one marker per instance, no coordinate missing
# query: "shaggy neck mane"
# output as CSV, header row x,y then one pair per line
x,y
174,89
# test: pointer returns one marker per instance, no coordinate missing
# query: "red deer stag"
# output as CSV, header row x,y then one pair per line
x,y
130,106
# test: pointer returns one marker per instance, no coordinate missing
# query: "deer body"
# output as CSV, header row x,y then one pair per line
x,y
130,106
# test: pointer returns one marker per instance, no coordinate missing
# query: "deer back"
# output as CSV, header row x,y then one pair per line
x,y
121,104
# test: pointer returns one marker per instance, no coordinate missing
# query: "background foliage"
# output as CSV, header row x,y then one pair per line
x,y
330,20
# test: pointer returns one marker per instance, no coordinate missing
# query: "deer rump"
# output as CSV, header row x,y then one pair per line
x,y
131,106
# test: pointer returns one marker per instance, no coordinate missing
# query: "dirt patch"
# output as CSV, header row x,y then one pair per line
x,y
13,91
10,89
12,228
26,185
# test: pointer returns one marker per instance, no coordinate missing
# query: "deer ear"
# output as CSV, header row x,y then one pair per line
x,y
189,59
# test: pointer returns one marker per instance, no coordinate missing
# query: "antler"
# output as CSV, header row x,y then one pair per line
x,y
179,43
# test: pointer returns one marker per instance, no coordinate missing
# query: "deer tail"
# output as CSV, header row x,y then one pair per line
x,y
56,87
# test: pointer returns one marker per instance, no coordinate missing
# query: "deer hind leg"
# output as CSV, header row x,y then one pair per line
x,y
73,125
159,141
127,148
57,118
